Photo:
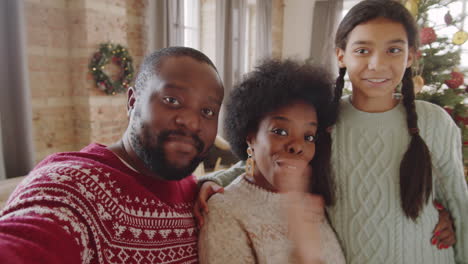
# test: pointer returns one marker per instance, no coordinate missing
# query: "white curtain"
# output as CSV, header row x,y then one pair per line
x,y
15,103
230,44
230,40
2,160
165,20
264,26
327,15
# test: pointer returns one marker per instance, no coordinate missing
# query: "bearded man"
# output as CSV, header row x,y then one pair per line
x,y
130,202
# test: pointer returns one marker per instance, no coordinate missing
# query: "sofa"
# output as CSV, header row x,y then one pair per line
x,y
7,187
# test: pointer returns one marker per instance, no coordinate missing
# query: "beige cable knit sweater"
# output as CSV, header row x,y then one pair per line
x,y
246,225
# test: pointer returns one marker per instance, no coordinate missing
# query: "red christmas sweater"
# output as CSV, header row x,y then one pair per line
x,y
89,207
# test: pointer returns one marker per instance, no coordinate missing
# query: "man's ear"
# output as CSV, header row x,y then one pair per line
x,y
340,57
131,99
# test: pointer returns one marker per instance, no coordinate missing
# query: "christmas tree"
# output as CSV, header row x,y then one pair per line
x,y
439,78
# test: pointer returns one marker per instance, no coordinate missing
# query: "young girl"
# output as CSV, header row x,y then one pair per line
x,y
390,156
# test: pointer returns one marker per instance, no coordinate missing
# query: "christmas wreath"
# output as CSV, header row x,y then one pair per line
x,y
118,55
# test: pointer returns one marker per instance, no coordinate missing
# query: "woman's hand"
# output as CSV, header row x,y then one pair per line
x,y
303,210
292,175
305,213
444,233
207,189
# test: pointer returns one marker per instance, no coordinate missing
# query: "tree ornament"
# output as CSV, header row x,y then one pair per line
x,y
427,35
456,80
101,86
449,110
111,53
460,37
412,6
448,19
461,119
418,82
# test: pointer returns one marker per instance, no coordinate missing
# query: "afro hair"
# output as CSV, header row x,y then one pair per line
x,y
270,86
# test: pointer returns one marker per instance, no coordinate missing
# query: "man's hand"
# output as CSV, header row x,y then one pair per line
x,y
207,189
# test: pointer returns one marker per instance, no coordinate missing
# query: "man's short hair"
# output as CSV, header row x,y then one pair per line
x,y
152,62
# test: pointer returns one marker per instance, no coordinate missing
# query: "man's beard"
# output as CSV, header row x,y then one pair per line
x,y
150,149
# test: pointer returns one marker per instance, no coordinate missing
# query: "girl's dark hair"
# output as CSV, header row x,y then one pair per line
x,y
416,166
275,84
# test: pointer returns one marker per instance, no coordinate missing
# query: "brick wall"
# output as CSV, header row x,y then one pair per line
x,y
68,111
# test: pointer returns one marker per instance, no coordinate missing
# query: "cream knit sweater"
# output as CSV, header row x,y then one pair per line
x,y
246,225
366,155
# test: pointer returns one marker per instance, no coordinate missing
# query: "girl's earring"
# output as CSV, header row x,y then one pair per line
x,y
250,163
396,94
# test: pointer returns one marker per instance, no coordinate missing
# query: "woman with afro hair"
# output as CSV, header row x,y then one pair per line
x,y
274,120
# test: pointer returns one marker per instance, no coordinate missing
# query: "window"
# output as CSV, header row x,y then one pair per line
x,y
191,25
347,5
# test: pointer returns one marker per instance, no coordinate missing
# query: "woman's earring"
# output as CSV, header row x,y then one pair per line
x,y
250,163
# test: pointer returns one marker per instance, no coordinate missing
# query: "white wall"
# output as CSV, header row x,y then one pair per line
x,y
297,28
